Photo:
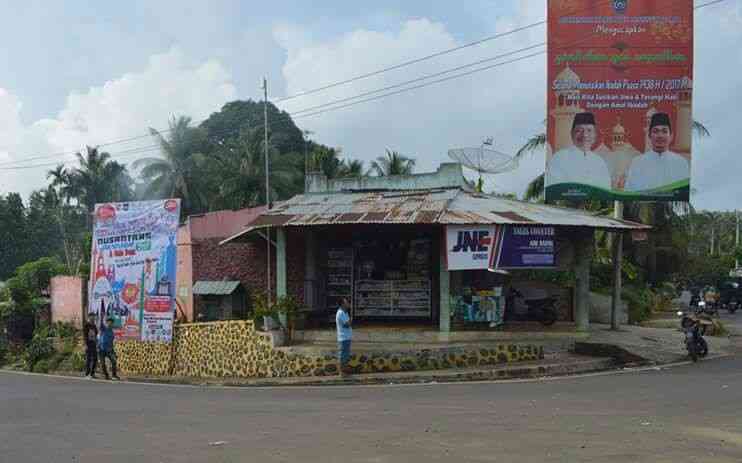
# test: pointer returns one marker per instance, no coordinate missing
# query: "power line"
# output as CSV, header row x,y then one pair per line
x,y
308,112
456,76
410,62
114,156
419,60
430,76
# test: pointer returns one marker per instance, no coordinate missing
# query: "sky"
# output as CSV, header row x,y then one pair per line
x,y
78,72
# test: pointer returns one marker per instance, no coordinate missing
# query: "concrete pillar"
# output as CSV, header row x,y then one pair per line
x,y
310,268
444,293
583,244
281,287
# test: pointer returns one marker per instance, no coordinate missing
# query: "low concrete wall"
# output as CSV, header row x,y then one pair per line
x,y
235,349
600,310
67,300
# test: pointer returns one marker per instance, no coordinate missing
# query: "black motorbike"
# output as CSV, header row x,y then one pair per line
x,y
543,310
710,308
694,327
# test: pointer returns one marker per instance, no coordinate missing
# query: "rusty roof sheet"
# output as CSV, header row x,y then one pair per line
x,y
439,206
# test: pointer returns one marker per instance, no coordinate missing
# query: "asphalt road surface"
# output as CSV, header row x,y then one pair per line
x,y
681,414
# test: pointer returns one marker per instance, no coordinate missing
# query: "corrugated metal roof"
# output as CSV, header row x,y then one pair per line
x,y
442,206
215,288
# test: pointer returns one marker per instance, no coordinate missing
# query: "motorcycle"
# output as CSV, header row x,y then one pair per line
x,y
694,328
706,308
543,310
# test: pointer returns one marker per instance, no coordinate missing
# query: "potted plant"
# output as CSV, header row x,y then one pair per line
x,y
265,313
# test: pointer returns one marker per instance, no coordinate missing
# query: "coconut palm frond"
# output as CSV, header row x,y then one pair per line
x,y
535,143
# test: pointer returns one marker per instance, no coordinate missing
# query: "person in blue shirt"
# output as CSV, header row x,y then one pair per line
x,y
344,334
106,350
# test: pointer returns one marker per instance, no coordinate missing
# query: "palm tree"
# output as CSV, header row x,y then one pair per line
x,y
351,168
174,174
61,183
240,170
392,164
97,179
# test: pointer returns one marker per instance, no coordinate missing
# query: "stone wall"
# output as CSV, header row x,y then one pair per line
x,y
234,349
144,358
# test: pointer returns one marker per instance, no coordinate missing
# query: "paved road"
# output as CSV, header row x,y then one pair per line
x,y
683,414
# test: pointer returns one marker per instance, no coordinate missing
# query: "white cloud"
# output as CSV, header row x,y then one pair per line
x,y
170,85
423,123
507,102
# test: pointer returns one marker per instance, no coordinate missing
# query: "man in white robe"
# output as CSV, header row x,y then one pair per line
x,y
578,163
658,167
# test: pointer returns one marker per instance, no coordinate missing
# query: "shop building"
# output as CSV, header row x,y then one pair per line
x,y
426,250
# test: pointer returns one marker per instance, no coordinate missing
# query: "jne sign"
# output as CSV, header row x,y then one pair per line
x,y
470,247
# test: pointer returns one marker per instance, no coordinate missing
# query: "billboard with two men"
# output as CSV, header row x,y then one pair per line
x,y
619,99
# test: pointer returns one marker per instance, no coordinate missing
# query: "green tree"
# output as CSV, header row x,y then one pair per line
x,y
13,228
96,179
176,173
392,164
351,168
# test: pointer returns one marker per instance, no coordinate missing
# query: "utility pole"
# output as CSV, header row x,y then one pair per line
x,y
306,133
267,187
617,258
736,241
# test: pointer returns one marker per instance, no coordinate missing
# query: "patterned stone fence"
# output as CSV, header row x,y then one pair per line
x,y
235,349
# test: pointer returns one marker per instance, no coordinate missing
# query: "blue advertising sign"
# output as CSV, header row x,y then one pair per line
x,y
524,247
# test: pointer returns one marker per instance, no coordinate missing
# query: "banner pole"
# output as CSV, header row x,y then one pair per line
x,y
617,258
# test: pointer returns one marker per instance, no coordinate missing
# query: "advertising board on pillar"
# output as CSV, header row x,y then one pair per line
x,y
620,82
133,268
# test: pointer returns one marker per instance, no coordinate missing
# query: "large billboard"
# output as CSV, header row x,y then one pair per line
x,y
133,268
619,99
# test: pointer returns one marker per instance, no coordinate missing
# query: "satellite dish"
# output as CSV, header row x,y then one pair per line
x,y
484,160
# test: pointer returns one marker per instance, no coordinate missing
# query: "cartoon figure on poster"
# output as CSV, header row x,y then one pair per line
x,y
134,260
620,86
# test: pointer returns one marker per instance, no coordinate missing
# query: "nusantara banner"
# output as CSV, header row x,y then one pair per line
x,y
133,268
619,99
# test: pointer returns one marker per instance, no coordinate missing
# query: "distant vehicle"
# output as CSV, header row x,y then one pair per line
x,y
730,294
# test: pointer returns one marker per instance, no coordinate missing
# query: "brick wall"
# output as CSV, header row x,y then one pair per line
x,y
246,262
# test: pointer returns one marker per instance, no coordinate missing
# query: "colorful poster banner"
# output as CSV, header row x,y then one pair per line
x,y
620,84
133,268
500,247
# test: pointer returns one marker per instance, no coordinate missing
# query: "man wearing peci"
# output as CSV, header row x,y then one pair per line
x,y
578,163
658,167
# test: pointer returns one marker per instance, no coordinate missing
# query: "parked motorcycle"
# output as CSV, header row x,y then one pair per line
x,y
704,308
543,310
694,328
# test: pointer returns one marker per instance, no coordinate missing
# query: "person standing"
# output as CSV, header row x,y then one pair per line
x,y
579,164
90,336
106,350
344,335
659,167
